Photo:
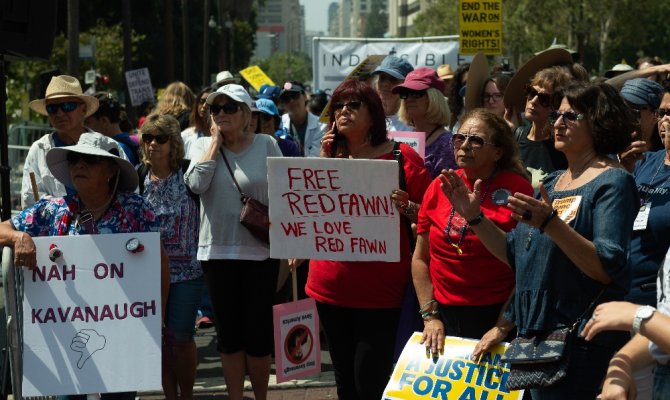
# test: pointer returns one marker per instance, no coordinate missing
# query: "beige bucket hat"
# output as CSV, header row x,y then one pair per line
x,y
64,86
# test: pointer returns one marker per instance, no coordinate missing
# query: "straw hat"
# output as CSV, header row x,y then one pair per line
x,y
64,86
477,75
96,144
445,72
514,94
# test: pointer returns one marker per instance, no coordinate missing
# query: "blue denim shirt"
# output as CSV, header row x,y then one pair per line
x,y
551,291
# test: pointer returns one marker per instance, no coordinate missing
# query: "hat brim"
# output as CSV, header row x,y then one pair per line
x,y
477,75
213,96
514,94
92,104
388,71
58,165
410,86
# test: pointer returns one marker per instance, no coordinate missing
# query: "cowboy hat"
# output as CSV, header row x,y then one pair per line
x,y
96,144
477,75
514,93
64,86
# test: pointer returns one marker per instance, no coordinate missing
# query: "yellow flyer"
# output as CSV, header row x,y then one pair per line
x,y
256,77
452,375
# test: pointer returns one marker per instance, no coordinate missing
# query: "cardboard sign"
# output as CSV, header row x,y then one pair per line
x,y
297,344
480,26
416,140
139,86
451,376
92,318
333,209
256,77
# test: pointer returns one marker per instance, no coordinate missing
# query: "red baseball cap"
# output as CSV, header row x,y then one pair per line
x,y
421,79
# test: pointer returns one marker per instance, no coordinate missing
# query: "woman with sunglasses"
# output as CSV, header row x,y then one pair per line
x,y
570,251
359,302
239,273
162,185
102,201
461,286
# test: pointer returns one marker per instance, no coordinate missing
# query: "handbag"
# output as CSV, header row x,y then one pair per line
x,y
541,360
254,214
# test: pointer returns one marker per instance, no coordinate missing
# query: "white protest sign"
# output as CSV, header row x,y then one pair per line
x,y
92,318
335,58
297,345
139,86
333,209
415,140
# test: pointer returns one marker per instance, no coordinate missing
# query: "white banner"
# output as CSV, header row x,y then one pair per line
x,y
334,59
333,209
92,317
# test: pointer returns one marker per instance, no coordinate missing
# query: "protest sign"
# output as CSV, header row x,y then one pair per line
x,y
92,317
256,77
335,58
333,209
139,86
297,345
416,140
480,26
450,376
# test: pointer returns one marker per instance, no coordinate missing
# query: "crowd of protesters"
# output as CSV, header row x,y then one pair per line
x,y
541,203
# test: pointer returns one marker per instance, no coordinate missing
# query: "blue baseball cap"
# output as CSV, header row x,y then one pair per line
x,y
267,106
395,66
268,92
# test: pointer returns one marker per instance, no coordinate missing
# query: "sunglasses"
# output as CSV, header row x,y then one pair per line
x,y
568,117
66,107
161,139
492,96
545,99
476,142
74,158
415,94
228,108
351,105
662,112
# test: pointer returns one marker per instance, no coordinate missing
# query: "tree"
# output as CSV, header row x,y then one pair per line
x,y
439,18
284,66
377,21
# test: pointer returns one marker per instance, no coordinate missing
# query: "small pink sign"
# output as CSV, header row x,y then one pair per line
x,y
416,140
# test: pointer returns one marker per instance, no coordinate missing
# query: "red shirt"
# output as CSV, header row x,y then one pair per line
x,y
371,284
475,277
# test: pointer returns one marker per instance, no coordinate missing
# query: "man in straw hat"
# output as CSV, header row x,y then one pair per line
x,y
66,107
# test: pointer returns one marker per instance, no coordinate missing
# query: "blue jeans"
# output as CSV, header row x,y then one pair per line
x,y
182,307
661,382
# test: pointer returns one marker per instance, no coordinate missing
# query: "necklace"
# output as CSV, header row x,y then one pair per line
x,y
433,131
651,190
461,232
578,174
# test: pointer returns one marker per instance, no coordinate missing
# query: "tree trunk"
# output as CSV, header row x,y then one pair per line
x,y
73,37
205,45
168,29
185,43
128,55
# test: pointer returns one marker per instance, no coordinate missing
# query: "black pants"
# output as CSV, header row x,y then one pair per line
x,y
469,321
361,346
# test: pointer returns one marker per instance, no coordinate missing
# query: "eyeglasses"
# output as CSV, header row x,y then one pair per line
x,y
415,94
161,138
568,116
74,158
545,99
351,105
476,142
486,97
66,107
228,108
662,112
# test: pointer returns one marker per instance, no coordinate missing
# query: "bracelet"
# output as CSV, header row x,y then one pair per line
x,y
547,220
478,219
427,314
411,208
427,303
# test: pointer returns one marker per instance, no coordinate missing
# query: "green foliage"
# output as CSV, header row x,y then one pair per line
x,y
284,66
440,18
376,22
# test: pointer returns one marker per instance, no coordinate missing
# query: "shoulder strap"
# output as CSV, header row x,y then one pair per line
x,y
142,172
518,133
232,175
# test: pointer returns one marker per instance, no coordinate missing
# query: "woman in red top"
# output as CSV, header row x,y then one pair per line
x,y
461,286
359,302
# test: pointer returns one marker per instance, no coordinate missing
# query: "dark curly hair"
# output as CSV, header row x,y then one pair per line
x,y
455,100
353,89
610,119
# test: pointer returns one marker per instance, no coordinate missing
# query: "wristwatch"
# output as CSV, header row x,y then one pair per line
x,y
643,313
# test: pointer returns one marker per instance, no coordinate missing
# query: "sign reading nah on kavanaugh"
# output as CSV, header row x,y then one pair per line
x,y
480,26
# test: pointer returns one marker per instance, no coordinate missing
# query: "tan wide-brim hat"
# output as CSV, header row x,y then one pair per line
x,y
64,86
477,75
514,94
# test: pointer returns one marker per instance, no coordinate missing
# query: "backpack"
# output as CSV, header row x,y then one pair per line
x,y
142,172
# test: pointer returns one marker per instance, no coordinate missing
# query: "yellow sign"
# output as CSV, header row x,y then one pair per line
x,y
256,77
362,71
452,375
480,27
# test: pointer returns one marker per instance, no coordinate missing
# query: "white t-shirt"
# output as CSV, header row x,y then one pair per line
x,y
663,306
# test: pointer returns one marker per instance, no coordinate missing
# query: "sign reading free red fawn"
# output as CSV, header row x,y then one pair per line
x,y
333,209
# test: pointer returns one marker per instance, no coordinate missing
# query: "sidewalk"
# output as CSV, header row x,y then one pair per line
x,y
209,383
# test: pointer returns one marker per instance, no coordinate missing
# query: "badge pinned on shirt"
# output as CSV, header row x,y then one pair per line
x,y
499,196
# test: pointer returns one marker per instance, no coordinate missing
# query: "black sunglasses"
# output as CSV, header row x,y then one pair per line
x,y
228,108
66,107
545,99
352,105
73,158
415,94
662,112
161,138
568,116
